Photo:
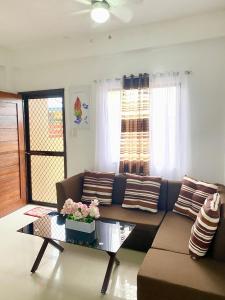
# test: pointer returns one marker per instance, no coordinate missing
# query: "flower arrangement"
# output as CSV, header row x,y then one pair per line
x,y
78,211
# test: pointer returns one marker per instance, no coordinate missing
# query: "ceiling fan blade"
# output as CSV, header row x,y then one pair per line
x,y
80,12
116,3
85,2
123,13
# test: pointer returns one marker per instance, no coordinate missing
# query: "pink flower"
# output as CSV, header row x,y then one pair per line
x,y
84,206
80,204
85,211
80,210
68,207
76,206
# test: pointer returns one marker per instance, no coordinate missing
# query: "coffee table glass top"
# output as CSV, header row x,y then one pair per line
x,y
109,235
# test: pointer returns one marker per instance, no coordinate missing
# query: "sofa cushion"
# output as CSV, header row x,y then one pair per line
x,y
146,228
169,275
141,218
98,185
142,192
205,227
192,196
174,233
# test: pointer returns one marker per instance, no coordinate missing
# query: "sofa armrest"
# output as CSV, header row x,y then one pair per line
x,y
222,198
218,245
69,188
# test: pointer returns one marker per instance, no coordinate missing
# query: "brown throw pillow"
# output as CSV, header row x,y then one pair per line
x,y
192,196
98,185
142,192
205,227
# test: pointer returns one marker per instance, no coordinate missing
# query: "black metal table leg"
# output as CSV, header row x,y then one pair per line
x,y
57,246
112,259
42,251
40,255
117,261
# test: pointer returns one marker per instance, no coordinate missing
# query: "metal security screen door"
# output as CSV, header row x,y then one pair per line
x,y
45,144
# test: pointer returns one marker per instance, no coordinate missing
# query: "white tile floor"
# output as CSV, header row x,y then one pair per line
x,y
75,274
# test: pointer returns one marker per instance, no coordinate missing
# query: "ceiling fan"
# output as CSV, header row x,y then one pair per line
x,y
100,10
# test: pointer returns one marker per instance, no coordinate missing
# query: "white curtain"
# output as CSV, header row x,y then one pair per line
x,y
169,115
108,125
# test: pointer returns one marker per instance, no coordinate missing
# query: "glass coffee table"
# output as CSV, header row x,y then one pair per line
x,y
109,236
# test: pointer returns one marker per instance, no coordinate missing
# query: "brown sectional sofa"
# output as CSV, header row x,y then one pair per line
x,y
167,271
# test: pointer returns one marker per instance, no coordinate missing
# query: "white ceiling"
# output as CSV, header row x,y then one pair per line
x,y
32,21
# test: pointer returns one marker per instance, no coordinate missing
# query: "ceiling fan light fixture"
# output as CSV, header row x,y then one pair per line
x,y
100,12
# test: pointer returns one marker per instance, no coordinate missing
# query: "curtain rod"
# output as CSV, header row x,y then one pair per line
x,y
186,72
108,79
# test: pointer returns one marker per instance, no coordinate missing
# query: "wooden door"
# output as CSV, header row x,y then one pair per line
x,y
12,156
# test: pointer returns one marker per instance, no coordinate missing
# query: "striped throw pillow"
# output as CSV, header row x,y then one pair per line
x,y
205,227
192,196
98,185
142,192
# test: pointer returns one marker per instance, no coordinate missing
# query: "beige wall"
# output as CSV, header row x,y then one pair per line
x,y
5,69
207,91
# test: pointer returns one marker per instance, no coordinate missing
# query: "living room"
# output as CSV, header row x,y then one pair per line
x,y
171,52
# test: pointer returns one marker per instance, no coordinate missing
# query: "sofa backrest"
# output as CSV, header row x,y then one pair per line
x,y
163,195
173,193
73,186
119,187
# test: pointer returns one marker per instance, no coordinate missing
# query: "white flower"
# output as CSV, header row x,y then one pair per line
x,y
94,212
95,202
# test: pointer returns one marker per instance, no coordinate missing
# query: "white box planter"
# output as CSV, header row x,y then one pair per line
x,y
80,226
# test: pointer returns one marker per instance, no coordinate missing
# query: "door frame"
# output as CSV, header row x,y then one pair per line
x,y
39,95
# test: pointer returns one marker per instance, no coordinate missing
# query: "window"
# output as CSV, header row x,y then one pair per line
x,y
142,126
